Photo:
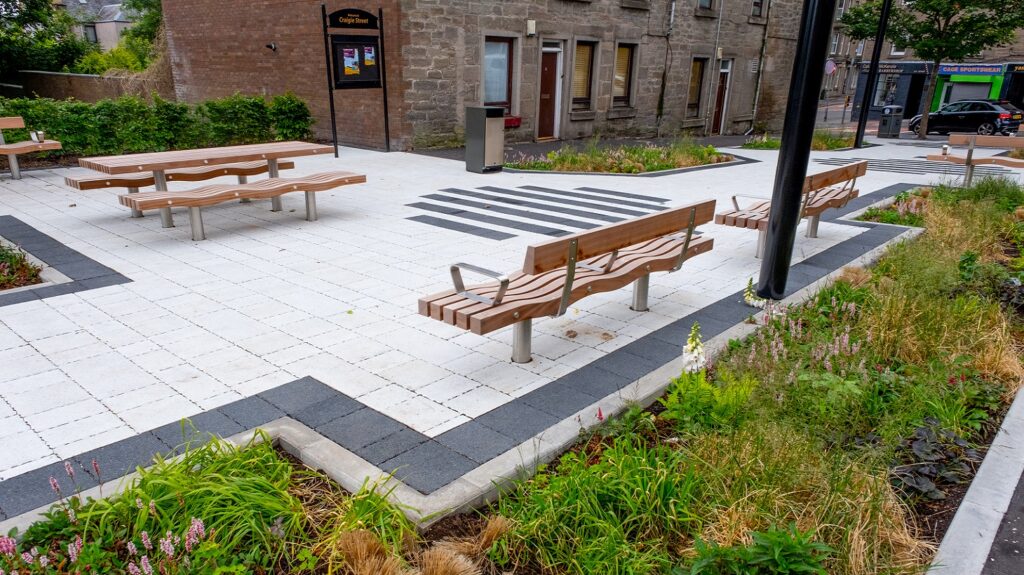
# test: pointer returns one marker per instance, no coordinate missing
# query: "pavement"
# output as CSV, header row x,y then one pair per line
x,y
275,319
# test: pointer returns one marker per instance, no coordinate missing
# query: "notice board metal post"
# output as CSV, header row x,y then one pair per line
x,y
355,61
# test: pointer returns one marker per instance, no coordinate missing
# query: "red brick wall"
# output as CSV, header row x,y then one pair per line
x,y
218,47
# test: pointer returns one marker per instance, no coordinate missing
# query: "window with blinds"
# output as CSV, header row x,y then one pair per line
x,y
582,76
696,87
622,82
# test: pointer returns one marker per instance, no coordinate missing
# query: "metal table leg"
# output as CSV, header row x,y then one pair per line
x,y
160,182
244,180
275,202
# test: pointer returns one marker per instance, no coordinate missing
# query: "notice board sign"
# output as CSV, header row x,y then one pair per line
x,y
356,61
353,18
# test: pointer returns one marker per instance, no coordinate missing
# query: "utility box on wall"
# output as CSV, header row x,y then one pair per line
x,y
485,139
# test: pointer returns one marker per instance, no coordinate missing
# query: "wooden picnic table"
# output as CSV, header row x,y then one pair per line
x,y
159,162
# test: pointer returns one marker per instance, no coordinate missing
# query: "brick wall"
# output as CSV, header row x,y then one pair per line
x,y
88,87
217,48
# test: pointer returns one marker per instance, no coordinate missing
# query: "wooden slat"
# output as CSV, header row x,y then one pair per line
x,y
28,146
134,163
1006,142
215,194
12,123
554,254
996,161
835,176
91,182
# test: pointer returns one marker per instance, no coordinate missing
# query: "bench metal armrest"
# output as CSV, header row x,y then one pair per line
x,y
460,286
736,204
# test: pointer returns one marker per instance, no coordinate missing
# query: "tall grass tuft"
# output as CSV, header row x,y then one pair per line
x,y
682,153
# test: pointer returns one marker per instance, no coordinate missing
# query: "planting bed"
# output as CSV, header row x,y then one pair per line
x,y
623,159
838,438
15,269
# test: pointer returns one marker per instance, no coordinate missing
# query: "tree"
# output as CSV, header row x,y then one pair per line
x,y
148,18
938,30
35,36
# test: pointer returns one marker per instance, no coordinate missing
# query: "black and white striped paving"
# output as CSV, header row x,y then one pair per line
x,y
913,166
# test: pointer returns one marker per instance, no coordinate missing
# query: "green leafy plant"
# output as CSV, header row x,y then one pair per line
x,y
762,142
825,140
15,268
774,552
624,159
693,404
932,459
291,117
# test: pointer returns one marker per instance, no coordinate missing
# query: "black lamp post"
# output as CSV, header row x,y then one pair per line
x,y
872,79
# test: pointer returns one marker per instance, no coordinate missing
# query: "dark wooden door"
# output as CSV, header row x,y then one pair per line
x,y
723,89
548,90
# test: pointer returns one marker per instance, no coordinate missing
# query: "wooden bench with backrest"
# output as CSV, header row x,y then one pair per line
x,y
973,141
13,150
559,272
211,195
135,181
829,189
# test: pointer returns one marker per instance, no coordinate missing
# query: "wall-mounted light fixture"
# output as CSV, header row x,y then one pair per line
x,y
272,46
531,28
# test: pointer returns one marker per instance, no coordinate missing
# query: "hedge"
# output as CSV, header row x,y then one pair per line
x,y
130,124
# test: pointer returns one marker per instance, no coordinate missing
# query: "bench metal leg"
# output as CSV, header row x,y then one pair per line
x,y
521,341
640,288
160,183
812,226
311,207
195,219
762,238
244,180
136,212
275,204
166,219
12,161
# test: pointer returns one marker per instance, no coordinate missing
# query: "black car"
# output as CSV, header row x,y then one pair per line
x,y
984,117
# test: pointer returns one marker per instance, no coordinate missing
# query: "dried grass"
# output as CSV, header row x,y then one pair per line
x,y
439,560
855,275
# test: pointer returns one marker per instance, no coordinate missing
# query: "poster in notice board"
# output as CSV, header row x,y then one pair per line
x,y
356,63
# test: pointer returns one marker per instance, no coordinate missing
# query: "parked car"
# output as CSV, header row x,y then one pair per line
x,y
986,117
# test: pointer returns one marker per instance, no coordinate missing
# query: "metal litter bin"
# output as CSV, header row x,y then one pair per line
x,y
891,123
485,138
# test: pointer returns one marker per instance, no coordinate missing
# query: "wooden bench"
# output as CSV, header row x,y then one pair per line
x,y
135,181
973,141
829,189
559,272
211,195
13,150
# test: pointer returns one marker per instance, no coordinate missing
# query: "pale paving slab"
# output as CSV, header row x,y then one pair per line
x,y
270,298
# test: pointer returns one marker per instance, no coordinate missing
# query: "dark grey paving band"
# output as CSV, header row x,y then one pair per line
x,y
427,464
85,273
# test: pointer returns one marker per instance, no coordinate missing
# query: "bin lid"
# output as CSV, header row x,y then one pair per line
x,y
489,111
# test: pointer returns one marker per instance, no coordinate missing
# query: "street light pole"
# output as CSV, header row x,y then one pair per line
x,y
795,150
872,79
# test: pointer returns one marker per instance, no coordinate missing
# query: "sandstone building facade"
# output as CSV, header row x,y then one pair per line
x,y
561,69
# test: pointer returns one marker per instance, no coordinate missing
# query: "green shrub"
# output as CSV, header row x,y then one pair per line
x,y
291,117
824,140
763,142
15,269
773,552
130,124
624,159
694,404
131,54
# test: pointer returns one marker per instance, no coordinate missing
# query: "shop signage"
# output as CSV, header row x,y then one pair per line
x,y
898,67
1015,68
356,61
971,69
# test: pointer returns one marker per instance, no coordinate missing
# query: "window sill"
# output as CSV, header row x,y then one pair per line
x,y
693,123
623,112
757,20
705,13
582,115
636,4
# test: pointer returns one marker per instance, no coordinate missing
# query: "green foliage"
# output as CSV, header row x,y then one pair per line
x,y
130,124
132,54
611,516
824,140
763,142
624,159
931,460
694,404
15,269
148,16
773,552
34,36
1004,194
291,117
369,509
241,495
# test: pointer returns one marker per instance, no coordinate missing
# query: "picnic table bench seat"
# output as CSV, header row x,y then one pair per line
x,y
214,194
559,272
973,141
12,151
826,190
198,174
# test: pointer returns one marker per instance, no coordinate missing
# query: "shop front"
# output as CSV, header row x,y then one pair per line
x,y
1013,84
900,83
967,82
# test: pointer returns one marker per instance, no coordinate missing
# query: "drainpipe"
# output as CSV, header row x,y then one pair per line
x,y
713,85
668,63
760,66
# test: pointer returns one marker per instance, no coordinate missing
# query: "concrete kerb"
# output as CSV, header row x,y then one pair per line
x,y
483,484
968,541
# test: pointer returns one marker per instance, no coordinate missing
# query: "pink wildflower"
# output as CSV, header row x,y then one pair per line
x,y
600,415
7,545
44,561
146,567
133,569
138,502
197,532
54,485
145,541
71,515
167,545
74,548
69,470
152,507
27,557
132,550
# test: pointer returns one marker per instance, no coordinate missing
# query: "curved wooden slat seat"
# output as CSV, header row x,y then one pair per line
x,y
826,190
12,151
560,272
135,181
997,160
219,193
